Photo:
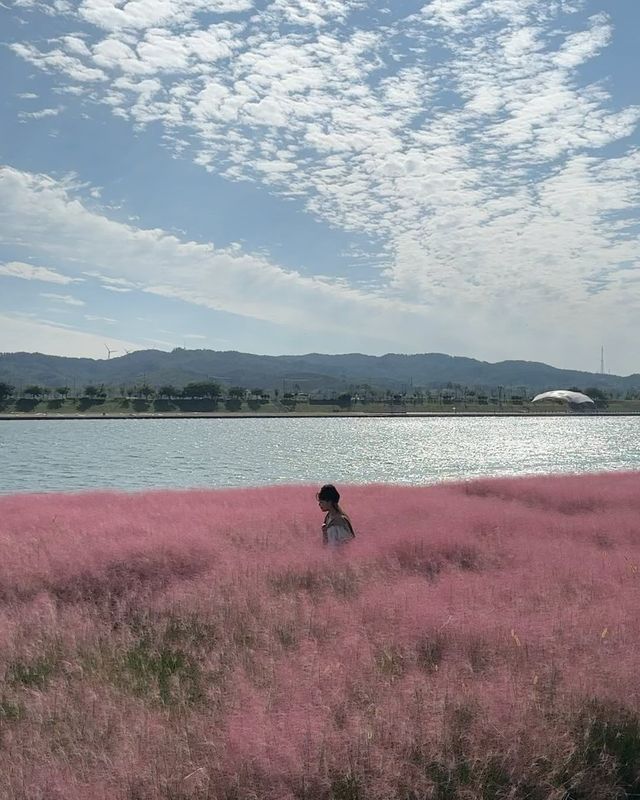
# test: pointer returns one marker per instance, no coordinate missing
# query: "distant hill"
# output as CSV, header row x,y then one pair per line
x,y
306,373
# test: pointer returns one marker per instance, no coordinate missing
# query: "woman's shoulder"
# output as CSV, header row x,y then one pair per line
x,y
342,521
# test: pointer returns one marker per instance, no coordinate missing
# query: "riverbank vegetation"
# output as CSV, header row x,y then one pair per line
x,y
207,397
476,640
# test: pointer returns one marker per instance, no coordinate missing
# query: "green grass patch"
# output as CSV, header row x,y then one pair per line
x,y
607,750
165,661
170,673
34,674
10,711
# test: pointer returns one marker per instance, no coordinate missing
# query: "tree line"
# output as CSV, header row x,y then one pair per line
x,y
197,390
450,394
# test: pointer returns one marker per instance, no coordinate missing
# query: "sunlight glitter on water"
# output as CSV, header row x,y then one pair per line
x,y
71,455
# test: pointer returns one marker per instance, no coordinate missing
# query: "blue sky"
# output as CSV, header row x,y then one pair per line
x,y
288,176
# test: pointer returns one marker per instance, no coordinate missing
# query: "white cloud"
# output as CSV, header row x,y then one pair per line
x,y
76,45
67,299
59,61
317,13
42,113
111,15
29,272
121,283
95,318
583,45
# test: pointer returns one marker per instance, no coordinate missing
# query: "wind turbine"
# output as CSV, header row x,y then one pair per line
x,y
110,351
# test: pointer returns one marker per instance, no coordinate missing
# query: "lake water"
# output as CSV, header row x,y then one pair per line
x,y
130,454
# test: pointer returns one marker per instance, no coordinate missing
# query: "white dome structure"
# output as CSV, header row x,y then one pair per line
x,y
564,395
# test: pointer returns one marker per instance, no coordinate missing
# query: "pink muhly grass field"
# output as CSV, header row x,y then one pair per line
x,y
476,640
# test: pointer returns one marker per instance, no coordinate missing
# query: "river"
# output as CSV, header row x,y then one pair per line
x,y
135,454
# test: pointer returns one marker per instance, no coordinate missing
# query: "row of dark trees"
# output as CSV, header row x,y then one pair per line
x,y
197,390
211,390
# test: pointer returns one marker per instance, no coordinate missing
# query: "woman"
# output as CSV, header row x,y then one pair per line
x,y
337,528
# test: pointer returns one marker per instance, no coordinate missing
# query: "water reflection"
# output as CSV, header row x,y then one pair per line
x,y
71,455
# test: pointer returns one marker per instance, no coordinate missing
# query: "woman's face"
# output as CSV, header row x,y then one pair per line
x,y
325,505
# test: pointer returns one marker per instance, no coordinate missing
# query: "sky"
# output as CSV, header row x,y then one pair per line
x,y
294,176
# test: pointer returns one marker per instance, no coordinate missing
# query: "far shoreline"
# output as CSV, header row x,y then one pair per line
x,y
309,415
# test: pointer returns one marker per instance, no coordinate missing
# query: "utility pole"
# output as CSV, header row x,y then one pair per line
x,y
602,360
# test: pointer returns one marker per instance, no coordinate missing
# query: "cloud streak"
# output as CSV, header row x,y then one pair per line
x,y
44,214
66,299
29,272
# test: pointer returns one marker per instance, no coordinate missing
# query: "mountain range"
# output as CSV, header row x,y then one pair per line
x,y
305,373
